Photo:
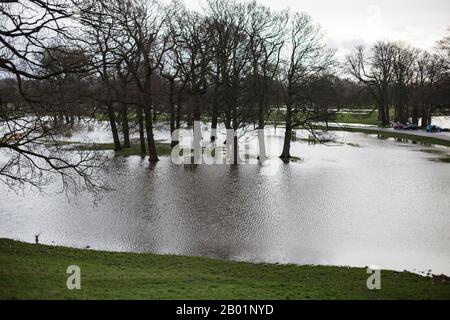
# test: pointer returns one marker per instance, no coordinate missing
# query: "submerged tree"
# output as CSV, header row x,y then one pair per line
x,y
266,36
308,58
99,35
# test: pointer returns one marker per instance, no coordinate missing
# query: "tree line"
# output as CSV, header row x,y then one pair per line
x,y
413,82
137,62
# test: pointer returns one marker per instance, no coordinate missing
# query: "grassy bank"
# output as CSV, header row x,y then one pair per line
x,y
29,271
359,118
390,134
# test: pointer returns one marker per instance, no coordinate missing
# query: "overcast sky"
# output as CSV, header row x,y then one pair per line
x,y
352,22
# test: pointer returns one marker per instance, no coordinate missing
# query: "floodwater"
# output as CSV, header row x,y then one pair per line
x,y
358,202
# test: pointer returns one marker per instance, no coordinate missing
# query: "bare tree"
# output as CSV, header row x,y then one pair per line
x,y
27,29
376,72
429,85
33,155
99,36
193,56
308,57
403,68
147,28
228,20
265,31
170,71
444,48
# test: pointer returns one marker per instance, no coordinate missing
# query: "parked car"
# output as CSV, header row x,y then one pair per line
x,y
398,126
411,126
433,128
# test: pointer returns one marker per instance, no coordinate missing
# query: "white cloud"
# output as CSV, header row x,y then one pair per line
x,y
351,22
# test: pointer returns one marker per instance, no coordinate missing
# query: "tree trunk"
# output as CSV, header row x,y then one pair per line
x,y
236,149
173,141
153,156
424,115
415,115
178,110
214,111
262,145
228,101
383,119
235,128
115,133
214,114
197,130
383,107
286,154
227,120
214,120
428,114
178,116
423,120
388,116
276,119
125,126
196,108
261,138
140,117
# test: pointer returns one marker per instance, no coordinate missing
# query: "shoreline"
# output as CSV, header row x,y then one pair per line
x,y
420,136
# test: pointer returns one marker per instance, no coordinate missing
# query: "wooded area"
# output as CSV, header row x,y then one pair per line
x,y
139,62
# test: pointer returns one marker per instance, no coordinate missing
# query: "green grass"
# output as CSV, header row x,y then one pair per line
x,y
371,118
29,271
393,134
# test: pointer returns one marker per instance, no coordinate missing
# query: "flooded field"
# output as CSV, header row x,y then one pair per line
x,y
358,201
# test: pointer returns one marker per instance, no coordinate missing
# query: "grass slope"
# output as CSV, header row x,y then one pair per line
x,y
364,118
29,271
394,134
